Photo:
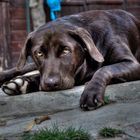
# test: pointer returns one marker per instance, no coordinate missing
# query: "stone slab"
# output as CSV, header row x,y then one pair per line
x,y
18,111
62,100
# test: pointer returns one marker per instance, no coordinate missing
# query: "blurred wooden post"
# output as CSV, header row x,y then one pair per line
x,y
5,53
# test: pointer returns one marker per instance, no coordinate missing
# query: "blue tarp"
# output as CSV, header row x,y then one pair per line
x,y
55,6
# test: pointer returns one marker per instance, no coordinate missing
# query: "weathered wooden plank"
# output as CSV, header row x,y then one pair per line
x,y
5,35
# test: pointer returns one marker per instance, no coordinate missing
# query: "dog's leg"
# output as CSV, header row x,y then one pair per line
x,y
123,66
94,91
9,74
22,84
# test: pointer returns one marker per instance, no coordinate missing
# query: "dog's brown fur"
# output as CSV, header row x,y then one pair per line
x,y
98,47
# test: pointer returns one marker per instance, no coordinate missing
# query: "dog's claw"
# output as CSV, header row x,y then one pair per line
x,y
87,104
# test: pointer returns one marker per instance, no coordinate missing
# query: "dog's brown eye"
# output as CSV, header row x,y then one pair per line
x,y
65,52
39,54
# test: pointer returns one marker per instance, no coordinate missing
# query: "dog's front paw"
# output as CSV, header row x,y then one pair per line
x,y
91,100
16,86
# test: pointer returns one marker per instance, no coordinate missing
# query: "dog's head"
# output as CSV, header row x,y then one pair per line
x,y
58,52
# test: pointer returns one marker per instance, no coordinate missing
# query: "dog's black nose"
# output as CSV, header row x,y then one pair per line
x,y
52,82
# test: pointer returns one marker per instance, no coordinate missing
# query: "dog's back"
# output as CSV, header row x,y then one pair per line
x,y
111,23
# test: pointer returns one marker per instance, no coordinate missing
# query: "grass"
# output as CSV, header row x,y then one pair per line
x,y
110,132
57,134
106,100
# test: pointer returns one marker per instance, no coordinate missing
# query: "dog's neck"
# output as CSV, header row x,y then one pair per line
x,y
81,71
85,72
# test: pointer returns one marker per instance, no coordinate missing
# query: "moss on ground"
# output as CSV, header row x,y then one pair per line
x,y
57,134
110,132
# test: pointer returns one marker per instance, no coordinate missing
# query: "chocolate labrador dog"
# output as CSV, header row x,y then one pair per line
x,y
94,47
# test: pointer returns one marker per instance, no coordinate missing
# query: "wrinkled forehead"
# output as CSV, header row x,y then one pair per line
x,y
53,38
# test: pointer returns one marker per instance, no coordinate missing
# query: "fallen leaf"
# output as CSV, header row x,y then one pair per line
x,y
41,119
38,120
30,126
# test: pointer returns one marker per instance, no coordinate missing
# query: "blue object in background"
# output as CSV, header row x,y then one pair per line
x,y
55,6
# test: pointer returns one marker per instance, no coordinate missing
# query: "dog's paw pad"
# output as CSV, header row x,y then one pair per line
x,y
11,86
15,86
7,91
19,81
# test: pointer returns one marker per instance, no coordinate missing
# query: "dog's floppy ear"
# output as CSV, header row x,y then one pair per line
x,y
86,38
25,52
